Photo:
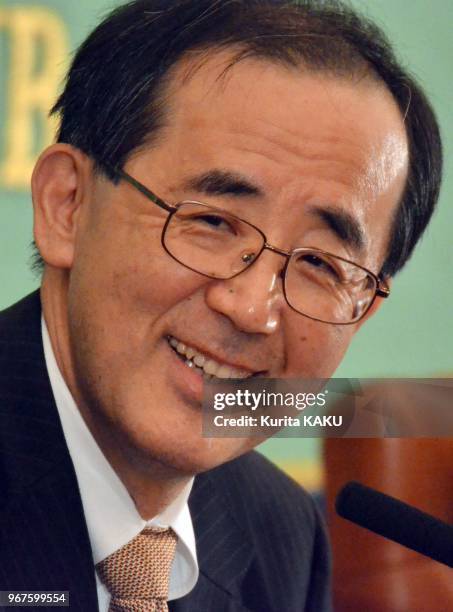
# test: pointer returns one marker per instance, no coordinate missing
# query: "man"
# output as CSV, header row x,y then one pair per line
x,y
233,187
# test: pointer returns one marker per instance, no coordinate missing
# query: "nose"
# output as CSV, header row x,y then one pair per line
x,y
253,300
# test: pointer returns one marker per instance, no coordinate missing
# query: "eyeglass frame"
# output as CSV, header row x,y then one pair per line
x,y
381,287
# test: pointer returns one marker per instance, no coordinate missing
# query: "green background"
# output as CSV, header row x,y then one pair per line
x,y
412,335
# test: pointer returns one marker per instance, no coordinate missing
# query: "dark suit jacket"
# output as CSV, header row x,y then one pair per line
x,y
260,542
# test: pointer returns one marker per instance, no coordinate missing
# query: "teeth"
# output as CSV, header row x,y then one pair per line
x,y
181,348
224,372
209,367
199,360
241,374
190,352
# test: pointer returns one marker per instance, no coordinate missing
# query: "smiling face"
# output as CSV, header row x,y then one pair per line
x,y
312,160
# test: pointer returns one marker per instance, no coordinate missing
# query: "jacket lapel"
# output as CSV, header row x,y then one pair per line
x,y
224,552
44,542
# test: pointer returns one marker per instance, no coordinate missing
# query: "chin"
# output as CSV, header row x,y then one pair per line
x,y
203,455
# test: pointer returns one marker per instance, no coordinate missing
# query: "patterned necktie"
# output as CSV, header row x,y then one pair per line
x,y
138,574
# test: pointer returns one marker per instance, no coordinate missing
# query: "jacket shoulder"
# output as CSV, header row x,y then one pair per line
x,y
21,320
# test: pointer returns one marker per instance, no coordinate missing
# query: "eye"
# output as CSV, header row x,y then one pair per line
x,y
319,262
321,266
213,221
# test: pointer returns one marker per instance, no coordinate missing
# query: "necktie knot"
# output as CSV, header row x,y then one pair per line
x,y
138,574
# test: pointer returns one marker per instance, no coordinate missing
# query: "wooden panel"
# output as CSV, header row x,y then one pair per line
x,y
370,572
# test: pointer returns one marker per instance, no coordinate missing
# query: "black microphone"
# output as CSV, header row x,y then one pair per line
x,y
397,521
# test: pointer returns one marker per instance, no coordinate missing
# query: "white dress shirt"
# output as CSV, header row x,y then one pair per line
x,y
110,513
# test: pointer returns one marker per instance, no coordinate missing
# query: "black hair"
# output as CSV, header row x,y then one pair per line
x,y
113,100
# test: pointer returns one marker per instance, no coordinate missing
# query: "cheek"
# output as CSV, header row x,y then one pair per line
x,y
123,292
132,275
316,349
152,286
120,259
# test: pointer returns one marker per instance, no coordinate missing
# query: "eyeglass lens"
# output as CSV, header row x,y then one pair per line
x,y
218,245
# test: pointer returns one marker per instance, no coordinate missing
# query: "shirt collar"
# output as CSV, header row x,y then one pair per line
x,y
110,513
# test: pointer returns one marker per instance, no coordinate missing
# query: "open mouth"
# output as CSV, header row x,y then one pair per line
x,y
207,367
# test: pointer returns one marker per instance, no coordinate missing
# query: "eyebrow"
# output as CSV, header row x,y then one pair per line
x,y
343,224
223,182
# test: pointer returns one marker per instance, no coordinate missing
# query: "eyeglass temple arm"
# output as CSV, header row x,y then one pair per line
x,y
382,290
144,190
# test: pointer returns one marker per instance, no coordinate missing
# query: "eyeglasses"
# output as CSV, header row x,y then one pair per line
x,y
220,245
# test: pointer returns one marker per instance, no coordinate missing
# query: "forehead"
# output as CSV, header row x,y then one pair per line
x,y
301,137
216,90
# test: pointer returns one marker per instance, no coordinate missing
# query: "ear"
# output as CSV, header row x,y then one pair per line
x,y
375,306
61,184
